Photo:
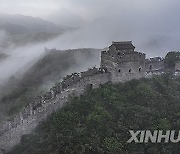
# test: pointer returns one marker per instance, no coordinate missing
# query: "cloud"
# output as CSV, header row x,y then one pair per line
x,y
19,60
153,26
3,37
32,8
65,17
140,14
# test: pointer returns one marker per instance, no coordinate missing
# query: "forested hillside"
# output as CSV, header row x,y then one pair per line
x,y
99,121
44,74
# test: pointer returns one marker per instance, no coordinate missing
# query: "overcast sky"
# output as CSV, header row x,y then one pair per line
x,y
153,25
92,9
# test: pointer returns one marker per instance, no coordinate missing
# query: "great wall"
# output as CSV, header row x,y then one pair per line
x,y
118,64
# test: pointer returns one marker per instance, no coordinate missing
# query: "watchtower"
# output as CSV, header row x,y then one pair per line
x,y
123,62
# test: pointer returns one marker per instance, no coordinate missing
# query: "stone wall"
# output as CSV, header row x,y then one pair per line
x,y
154,64
72,85
177,66
128,71
123,66
45,105
116,66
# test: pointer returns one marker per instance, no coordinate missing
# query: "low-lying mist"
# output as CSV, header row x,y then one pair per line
x,y
99,34
146,26
152,30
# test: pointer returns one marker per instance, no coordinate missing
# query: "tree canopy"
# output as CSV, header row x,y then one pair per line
x,y
99,121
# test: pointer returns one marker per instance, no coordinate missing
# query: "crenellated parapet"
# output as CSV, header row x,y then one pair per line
x,y
60,92
119,57
154,64
119,64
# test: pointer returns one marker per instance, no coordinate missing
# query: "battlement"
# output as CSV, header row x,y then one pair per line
x,y
123,62
155,59
42,102
119,64
122,52
122,56
154,64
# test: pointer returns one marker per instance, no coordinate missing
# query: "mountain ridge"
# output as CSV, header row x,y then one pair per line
x,y
19,30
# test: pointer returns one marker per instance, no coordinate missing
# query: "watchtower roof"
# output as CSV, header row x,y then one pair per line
x,y
123,45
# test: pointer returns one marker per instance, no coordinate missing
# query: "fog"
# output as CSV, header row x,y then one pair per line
x,y
18,60
152,25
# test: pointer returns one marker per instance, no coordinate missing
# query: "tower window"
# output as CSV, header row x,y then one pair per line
x,y
150,67
129,70
140,69
119,70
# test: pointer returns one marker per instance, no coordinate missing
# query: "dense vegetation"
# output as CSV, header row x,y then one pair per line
x,y
99,121
50,68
